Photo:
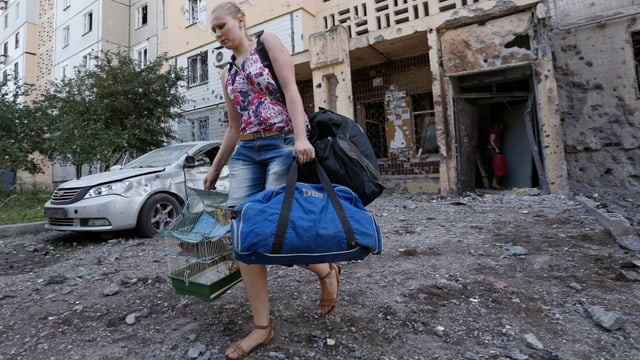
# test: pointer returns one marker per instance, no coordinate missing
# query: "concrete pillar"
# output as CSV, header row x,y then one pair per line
x,y
548,107
331,70
442,105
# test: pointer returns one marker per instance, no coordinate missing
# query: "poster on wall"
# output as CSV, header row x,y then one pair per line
x,y
399,126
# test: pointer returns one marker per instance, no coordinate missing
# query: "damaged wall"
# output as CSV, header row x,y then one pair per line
x,y
494,44
600,107
508,40
329,62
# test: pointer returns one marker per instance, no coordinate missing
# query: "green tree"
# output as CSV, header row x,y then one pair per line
x,y
20,135
99,115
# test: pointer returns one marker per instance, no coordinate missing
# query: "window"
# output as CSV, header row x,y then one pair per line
x,y
65,71
65,36
5,77
87,62
88,22
196,9
5,49
6,21
198,69
17,40
141,16
17,10
142,57
16,73
165,14
635,41
200,129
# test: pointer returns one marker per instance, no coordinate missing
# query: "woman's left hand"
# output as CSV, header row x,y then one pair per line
x,y
304,151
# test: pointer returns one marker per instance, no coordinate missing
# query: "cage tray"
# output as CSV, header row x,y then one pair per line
x,y
208,284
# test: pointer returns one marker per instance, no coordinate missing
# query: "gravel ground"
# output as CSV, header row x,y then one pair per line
x,y
509,275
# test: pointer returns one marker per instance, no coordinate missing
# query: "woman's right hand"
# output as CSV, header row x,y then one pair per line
x,y
210,179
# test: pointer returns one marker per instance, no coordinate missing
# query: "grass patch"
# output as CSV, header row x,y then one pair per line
x,y
24,206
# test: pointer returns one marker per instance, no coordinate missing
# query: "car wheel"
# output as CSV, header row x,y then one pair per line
x,y
156,213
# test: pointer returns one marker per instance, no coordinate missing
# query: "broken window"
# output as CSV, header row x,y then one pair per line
x,y
424,123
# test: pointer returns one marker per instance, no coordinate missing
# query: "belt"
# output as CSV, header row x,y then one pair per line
x,y
261,135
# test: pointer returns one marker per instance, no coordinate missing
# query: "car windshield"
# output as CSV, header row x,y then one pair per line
x,y
160,157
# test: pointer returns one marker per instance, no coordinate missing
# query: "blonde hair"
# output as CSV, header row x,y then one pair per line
x,y
230,8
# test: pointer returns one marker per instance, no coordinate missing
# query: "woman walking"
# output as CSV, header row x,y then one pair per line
x,y
263,136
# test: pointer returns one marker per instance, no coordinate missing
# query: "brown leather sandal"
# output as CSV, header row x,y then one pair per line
x,y
242,353
332,302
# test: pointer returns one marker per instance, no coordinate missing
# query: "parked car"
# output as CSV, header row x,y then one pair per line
x,y
144,195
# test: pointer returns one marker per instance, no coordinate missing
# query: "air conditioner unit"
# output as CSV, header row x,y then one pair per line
x,y
221,57
3,59
3,5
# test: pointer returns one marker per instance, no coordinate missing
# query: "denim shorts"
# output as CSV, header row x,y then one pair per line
x,y
258,165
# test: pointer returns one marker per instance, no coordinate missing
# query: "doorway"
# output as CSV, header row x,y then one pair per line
x,y
482,100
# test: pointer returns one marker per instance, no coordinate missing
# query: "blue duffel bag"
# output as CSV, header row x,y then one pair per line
x,y
300,223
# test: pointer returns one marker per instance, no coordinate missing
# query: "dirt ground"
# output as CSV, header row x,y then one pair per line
x,y
482,276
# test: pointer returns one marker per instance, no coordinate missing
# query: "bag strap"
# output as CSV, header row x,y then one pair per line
x,y
263,54
287,204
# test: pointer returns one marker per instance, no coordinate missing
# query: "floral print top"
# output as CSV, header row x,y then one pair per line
x,y
255,94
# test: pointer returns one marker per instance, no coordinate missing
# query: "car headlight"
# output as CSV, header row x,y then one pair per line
x,y
116,188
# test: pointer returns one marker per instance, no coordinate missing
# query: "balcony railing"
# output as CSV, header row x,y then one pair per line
x,y
363,16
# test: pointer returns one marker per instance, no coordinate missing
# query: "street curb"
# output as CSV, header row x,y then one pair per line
x,y
625,235
18,229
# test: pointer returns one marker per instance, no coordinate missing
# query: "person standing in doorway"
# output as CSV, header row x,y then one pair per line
x,y
494,146
263,136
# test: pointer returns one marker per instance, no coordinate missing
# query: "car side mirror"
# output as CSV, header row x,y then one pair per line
x,y
195,161
190,161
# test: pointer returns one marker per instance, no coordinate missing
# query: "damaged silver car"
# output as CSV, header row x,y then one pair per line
x,y
144,195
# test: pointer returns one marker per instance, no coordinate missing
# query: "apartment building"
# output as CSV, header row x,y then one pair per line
x,y
409,73
144,25
18,36
83,29
562,74
424,78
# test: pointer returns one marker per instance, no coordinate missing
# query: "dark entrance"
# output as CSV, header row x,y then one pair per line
x,y
482,100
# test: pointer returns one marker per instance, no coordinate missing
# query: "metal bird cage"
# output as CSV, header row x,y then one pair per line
x,y
198,247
